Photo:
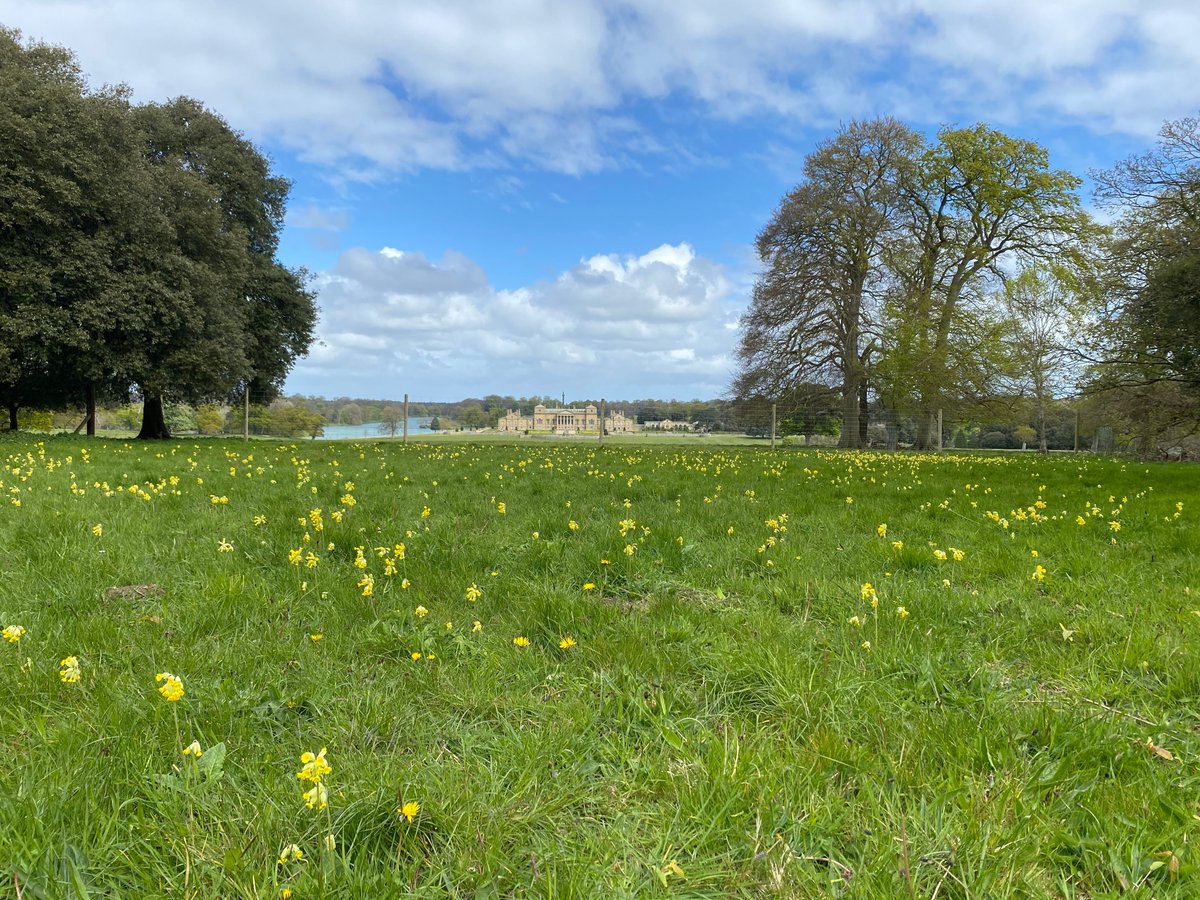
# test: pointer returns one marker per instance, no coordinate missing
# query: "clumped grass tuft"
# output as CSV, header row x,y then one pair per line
x,y
631,670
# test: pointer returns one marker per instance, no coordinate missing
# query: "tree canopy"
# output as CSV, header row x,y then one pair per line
x,y
880,268
138,247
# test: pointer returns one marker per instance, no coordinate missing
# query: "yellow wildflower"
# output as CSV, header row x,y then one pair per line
x,y
171,686
420,612
315,766
290,853
193,749
521,641
881,530
98,530
566,643
317,796
224,546
14,633
69,671
409,810
473,593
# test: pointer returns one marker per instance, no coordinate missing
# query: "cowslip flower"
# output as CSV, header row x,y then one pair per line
x,y
867,591
939,554
473,593
315,766
223,546
193,749
290,853
1039,573
420,612
409,810
901,612
98,530
69,671
477,626
881,530
897,545
14,633
317,797
170,686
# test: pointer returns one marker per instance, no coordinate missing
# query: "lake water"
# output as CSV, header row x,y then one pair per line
x,y
372,429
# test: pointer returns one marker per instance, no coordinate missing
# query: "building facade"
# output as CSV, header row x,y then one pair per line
x,y
549,420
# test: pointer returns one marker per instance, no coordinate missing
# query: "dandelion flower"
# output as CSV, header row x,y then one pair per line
x,y
566,643
521,641
316,637
409,810
14,633
589,586
415,656
170,686
69,671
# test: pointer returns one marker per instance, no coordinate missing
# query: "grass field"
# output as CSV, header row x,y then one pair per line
x,y
561,670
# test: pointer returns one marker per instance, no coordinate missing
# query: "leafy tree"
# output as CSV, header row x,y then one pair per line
x,y
225,314
391,419
1146,349
812,313
209,419
1040,313
977,200
69,190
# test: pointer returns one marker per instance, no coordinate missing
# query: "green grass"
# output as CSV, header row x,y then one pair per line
x,y
718,730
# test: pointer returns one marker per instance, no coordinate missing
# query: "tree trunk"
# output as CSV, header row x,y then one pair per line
x,y
1041,415
850,436
863,414
926,430
893,431
12,416
91,409
154,424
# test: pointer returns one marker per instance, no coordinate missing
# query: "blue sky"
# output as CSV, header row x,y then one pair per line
x,y
548,196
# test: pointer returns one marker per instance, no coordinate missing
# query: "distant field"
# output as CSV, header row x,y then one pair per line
x,y
559,669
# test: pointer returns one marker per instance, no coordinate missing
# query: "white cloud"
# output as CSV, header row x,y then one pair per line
x,y
372,86
394,321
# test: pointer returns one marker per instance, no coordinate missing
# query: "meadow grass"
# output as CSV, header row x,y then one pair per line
x,y
766,693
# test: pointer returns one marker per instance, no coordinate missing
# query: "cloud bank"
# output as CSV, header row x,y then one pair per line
x,y
659,324
373,87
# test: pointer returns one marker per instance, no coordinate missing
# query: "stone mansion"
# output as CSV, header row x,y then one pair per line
x,y
566,421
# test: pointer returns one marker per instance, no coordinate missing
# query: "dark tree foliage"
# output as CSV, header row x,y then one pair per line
x,y
1146,351
137,248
